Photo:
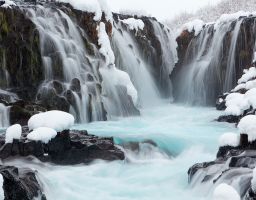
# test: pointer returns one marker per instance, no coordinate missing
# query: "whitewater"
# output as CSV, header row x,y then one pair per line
x,y
184,135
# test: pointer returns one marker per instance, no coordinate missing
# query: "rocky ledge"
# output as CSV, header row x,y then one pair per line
x,y
67,148
20,184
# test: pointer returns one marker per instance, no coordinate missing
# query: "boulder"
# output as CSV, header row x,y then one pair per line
x,y
67,148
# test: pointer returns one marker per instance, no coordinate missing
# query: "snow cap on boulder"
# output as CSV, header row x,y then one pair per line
x,y
55,119
13,132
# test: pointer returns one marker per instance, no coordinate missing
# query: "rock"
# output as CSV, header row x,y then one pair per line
x,y
229,118
67,148
20,184
75,85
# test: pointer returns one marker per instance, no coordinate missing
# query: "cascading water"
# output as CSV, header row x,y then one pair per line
x,y
66,59
214,60
4,115
168,58
129,59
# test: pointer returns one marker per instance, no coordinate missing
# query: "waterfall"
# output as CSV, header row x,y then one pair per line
x,y
4,115
65,59
129,59
169,56
214,60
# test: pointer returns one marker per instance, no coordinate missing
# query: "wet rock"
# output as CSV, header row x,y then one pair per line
x,y
20,184
75,85
67,148
229,118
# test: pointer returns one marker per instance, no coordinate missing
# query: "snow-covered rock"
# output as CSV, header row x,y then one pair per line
x,y
8,4
13,132
195,25
134,24
236,104
247,125
93,6
229,139
119,77
55,119
248,74
105,47
225,192
43,134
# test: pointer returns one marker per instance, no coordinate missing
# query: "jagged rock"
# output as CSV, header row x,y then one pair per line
x,y
20,184
67,148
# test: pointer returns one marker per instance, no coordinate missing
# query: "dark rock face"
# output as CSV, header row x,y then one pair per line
x,y
67,148
232,164
20,184
190,50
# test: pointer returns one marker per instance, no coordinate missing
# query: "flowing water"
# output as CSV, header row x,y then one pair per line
x,y
184,135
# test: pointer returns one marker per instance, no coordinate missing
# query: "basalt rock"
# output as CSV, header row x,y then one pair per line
x,y
232,164
20,184
67,148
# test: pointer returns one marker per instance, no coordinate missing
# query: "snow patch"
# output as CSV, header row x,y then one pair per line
x,y
247,125
225,192
105,47
236,104
43,134
1,187
55,119
13,132
119,77
134,24
92,6
8,4
229,139
253,182
195,25
248,74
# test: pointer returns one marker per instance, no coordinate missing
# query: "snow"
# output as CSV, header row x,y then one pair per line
x,y
229,139
195,25
247,125
1,187
105,47
92,6
230,17
13,132
119,77
134,24
55,119
225,192
253,182
251,96
248,74
43,134
8,4
236,104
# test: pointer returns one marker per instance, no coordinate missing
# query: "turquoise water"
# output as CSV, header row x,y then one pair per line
x,y
185,135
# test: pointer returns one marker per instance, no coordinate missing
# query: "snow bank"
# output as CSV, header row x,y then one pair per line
x,y
42,134
195,25
55,119
225,192
134,24
105,47
8,4
236,104
248,74
247,125
229,139
13,132
92,6
119,77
